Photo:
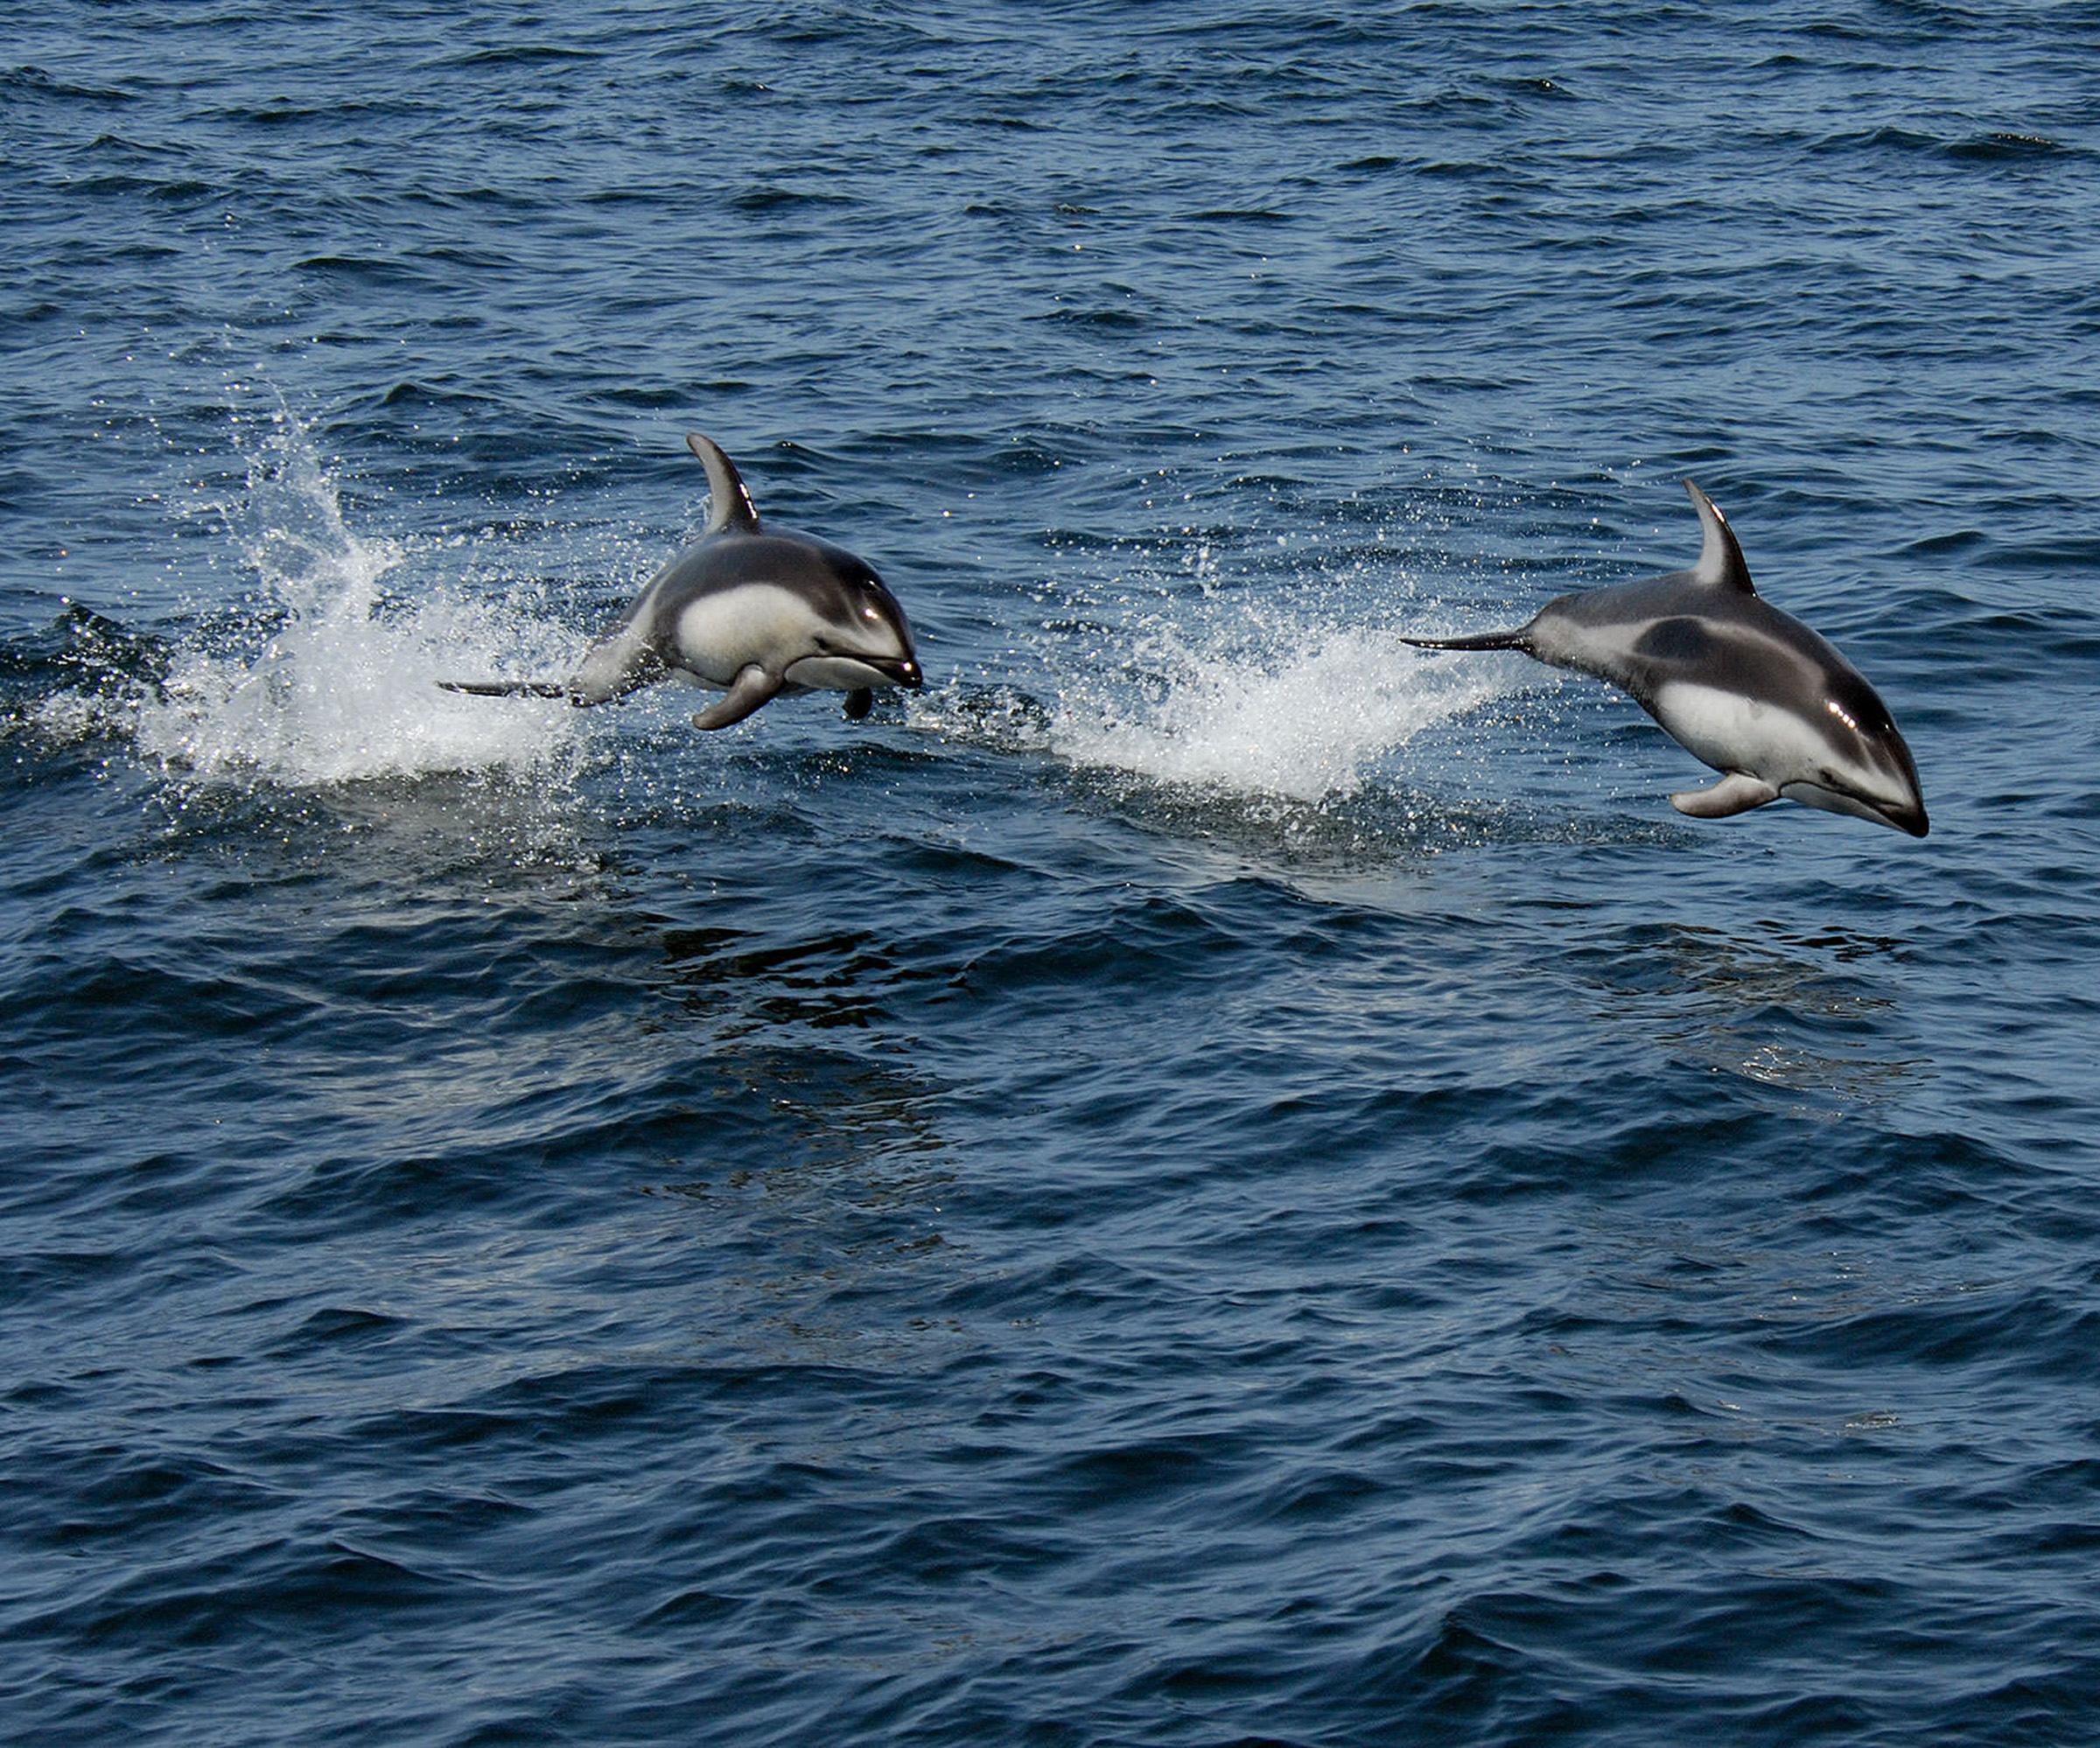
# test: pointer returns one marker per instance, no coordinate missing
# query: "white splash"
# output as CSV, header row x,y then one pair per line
x,y
1310,716
347,687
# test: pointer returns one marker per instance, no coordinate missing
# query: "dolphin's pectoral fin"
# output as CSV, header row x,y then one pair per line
x,y
751,688
1734,793
859,702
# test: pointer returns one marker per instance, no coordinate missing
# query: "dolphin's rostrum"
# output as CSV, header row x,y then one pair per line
x,y
1739,685
752,611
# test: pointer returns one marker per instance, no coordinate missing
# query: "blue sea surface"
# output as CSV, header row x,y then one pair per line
x,y
1211,1178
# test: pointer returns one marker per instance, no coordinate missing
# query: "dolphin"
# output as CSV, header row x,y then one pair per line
x,y
1737,684
754,611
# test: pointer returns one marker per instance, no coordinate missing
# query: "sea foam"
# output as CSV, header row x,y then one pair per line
x,y
1304,710
345,686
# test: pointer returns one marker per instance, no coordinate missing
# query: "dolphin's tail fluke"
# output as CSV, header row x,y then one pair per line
x,y
1502,639
507,688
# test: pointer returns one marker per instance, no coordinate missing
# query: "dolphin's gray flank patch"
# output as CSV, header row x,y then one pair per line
x,y
1677,640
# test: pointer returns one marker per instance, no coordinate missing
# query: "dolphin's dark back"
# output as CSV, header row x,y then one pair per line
x,y
1642,636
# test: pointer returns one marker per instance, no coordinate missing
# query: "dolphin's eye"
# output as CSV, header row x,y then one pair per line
x,y
868,612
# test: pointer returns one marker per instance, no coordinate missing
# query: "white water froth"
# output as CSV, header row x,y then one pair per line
x,y
1310,715
345,688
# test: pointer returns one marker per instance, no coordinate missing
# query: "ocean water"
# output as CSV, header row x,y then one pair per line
x,y
1210,1178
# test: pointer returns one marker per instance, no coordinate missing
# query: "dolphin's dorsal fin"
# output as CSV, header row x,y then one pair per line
x,y
1720,564
729,505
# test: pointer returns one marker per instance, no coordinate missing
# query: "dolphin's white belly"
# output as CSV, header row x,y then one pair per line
x,y
1732,732
721,633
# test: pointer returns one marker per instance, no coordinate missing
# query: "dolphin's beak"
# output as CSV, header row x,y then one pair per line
x,y
902,669
1907,815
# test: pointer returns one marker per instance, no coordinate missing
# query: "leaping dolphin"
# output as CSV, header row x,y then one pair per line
x,y
1737,684
754,611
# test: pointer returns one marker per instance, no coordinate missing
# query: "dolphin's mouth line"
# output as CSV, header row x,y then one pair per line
x,y
903,670
1905,816
881,670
